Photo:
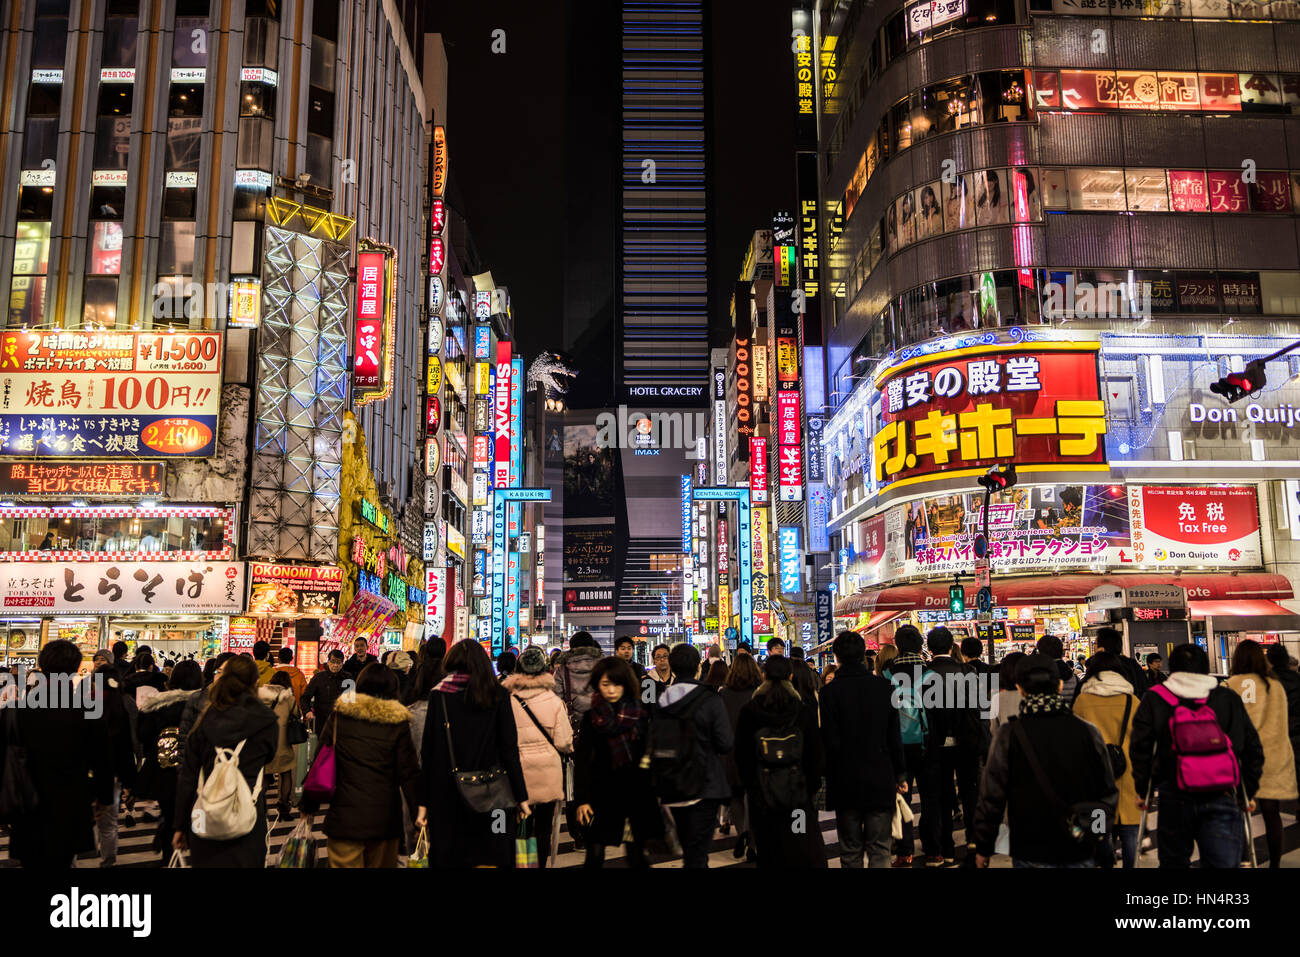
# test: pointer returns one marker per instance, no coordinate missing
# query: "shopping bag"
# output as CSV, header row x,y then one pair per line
x,y
178,859
420,856
525,847
300,848
902,815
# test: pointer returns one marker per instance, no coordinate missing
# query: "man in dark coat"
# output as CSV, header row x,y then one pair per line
x,y
960,735
697,818
865,767
361,657
625,648
323,690
69,760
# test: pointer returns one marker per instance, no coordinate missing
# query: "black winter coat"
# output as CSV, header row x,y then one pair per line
x,y
119,708
615,794
864,749
1290,682
246,720
70,761
161,711
712,730
957,718
778,842
734,701
375,766
482,738
352,667
1073,757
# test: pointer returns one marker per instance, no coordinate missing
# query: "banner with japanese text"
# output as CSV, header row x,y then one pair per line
x,y
88,394
113,588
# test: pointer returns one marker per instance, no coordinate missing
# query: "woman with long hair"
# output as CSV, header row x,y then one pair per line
x,y
233,716
611,789
717,675
781,761
742,679
157,730
1265,700
469,714
375,767
886,654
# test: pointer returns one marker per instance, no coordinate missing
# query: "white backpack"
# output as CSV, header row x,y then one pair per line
x,y
225,807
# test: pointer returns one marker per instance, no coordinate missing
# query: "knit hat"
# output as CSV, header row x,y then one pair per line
x,y
400,661
532,661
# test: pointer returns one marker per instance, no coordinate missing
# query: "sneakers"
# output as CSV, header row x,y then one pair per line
x,y
902,860
108,862
937,860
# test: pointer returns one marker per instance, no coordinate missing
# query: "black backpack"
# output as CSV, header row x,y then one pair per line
x,y
677,764
781,782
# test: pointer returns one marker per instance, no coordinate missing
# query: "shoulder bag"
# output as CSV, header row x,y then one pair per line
x,y
482,791
1118,761
566,760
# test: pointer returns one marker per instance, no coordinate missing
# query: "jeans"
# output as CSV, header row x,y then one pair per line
x,y
695,825
1212,821
923,774
107,826
864,831
1128,843
1021,862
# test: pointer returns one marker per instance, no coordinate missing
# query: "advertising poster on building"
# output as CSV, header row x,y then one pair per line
x,y
367,617
594,600
90,394
284,589
367,369
589,476
589,554
114,588
1186,526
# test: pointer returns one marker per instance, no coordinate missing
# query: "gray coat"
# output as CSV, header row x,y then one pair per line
x,y
573,682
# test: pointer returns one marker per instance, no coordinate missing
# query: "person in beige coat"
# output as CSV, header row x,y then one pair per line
x,y
1104,697
1265,701
544,734
277,694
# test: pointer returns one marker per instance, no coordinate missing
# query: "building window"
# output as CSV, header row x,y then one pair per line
x,y
43,99
320,161
176,249
105,255
261,42
100,307
256,99
49,43
256,135
31,262
35,202
189,42
1092,189
119,41
178,203
41,141
107,202
115,99
112,142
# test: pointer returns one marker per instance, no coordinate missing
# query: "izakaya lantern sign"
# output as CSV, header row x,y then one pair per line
x,y
372,366
953,414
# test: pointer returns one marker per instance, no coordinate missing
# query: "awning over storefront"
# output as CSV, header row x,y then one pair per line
x,y
1069,590
1251,616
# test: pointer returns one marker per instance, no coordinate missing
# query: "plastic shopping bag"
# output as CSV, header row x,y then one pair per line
x,y
420,856
178,859
300,848
525,847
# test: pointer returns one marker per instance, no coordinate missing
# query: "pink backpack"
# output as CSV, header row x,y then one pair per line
x,y
1202,750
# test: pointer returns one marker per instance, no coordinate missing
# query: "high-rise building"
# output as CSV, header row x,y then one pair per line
x,y
664,322
1072,220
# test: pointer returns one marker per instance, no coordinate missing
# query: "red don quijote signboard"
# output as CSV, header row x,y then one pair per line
x,y
367,369
1177,526
956,413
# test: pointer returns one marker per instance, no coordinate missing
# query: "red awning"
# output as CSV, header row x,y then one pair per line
x,y
1070,590
1200,609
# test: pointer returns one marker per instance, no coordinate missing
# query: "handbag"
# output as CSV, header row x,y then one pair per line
x,y
482,791
18,796
321,778
420,856
525,847
1079,819
295,730
1118,761
566,760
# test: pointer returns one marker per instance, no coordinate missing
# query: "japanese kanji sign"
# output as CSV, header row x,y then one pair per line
x,y
1184,526
955,414
372,365
86,394
108,588
101,479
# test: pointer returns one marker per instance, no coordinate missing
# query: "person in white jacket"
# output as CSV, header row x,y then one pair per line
x,y
545,735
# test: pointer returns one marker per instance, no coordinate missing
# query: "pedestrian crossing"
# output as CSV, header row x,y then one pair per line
x,y
135,844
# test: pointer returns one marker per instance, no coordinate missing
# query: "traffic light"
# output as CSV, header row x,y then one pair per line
x,y
1238,385
999,480
957,600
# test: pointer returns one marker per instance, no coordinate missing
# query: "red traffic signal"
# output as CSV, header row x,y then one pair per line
x,y
1238,385
999,480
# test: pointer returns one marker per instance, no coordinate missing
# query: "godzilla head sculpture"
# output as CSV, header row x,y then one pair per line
x,y
546,371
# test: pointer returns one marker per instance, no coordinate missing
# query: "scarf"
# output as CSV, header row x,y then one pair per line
x,y
454,683
619,724
1042,704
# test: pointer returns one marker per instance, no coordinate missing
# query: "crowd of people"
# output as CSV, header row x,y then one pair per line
x,y
443,758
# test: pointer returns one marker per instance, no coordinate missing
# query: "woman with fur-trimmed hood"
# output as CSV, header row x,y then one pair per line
x,y
544,734
375,766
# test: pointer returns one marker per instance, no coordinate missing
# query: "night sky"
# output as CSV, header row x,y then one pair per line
x,y
504,132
